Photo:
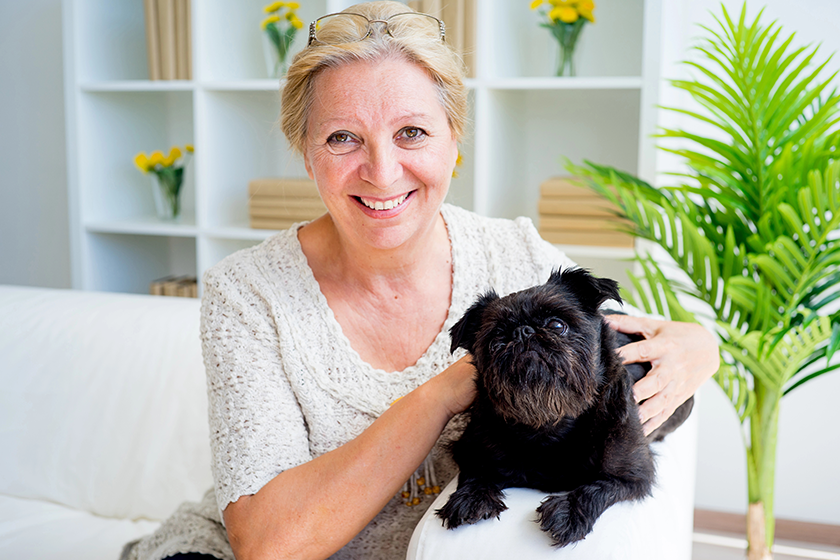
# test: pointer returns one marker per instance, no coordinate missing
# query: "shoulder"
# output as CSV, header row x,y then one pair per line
x,y
511,251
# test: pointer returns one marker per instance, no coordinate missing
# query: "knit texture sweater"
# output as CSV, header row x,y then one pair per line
x,y
285,385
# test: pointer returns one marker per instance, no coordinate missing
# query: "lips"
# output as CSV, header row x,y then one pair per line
x,y
385,208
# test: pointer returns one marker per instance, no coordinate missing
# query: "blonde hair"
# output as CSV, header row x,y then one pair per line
x,y
440,62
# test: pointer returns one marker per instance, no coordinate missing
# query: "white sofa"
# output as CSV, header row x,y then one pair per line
x,y
103,420
103,432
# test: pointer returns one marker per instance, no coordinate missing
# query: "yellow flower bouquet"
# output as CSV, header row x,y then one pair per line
x,y
280,28
565,19
168,172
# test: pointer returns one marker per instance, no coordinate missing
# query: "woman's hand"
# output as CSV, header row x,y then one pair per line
x,y
455,386
683,356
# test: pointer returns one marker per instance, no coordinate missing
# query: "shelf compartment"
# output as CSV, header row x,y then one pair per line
x,y
515,45
134,261
229,41
113,128
576,124
109,40
249,121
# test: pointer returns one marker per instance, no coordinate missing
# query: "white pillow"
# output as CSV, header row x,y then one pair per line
x,y
657,528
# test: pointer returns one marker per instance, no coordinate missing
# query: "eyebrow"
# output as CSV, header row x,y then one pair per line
x,y
409,116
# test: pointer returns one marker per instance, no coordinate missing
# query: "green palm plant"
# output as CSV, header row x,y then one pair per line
x,y
751,229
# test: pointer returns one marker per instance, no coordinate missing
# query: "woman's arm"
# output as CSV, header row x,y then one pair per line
x,y
683,356
312,510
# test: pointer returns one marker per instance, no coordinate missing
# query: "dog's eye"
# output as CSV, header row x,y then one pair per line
x,y
558,325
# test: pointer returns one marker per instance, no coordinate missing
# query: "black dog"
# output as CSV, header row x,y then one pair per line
x,y
554,410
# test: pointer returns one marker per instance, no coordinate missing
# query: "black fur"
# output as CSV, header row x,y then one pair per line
x,y
554,409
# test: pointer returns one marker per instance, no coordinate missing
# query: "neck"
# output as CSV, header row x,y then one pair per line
x,y
397,268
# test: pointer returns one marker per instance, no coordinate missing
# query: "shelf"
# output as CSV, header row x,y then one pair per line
x,y
148,225
553,83
522,122
595,252
138,86
244,85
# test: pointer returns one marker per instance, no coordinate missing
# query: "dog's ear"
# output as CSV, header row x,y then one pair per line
x,y
464,331
590,290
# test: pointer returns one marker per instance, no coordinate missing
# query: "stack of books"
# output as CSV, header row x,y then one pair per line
x,y
459,18
168,39
177,286
574,215
279,203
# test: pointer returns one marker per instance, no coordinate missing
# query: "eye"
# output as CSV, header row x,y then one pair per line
x,y
412,134
342,141
497,346
557,326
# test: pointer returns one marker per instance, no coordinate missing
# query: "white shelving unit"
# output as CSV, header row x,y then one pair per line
x,y
523,122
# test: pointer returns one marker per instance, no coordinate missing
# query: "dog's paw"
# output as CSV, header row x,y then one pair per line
x,y
561,521
466,507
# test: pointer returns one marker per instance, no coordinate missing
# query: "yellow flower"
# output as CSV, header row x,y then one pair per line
x,y
273,7
156,158
296,23
189,148
175,153
586,5
269,20
564,14
536,4
293,5
142,162
587,14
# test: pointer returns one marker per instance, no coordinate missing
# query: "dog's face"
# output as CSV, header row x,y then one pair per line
x,y
537,351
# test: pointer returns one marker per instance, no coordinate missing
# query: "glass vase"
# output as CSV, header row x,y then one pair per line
x,y
567,35
276,52
166,189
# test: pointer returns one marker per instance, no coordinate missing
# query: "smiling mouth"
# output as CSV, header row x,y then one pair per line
x,y
383,204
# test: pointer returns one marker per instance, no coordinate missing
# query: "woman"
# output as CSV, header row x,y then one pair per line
x,y
327,350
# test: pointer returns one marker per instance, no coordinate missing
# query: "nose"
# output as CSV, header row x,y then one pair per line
x,y
522,332
383,167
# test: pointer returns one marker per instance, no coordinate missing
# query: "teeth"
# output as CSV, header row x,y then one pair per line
x,y
387,205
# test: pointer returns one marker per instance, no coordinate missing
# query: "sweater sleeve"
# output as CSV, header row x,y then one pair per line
x,y
257,429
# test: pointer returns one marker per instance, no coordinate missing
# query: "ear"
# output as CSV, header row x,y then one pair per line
x,y
590,291
464,331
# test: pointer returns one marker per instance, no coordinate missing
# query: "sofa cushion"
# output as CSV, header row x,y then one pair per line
x,y
103,405
61,532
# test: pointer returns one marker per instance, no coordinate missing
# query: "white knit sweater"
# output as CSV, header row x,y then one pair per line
x,y
285,386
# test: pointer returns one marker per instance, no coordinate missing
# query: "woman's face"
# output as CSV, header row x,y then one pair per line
x,y
381,151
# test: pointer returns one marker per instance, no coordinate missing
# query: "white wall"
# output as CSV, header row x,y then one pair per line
x,y
34,246
808,477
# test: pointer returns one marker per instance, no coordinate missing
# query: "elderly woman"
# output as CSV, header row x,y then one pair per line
x,y
327,348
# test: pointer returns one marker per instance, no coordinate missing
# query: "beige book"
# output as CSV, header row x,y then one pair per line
x,y
272,223
433,8
576,207
296,188
152,38
469,34
453,18
166,27
285,213
182,51
156,286
599,239
580,223
308,204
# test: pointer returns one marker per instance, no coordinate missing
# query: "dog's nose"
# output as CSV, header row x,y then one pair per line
x,y
522,332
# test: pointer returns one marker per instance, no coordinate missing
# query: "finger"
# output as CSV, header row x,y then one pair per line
x,y
632,325
640,351
647,387
651,425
